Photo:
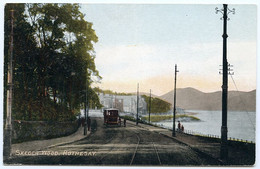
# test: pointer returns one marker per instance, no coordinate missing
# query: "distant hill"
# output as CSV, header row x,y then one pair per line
x,y
193,99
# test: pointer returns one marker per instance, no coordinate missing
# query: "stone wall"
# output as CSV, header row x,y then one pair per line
x,y
36,130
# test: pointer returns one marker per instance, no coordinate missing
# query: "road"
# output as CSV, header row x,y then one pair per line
x,y
114,145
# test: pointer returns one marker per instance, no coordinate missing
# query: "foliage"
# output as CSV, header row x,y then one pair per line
x,y
98,90
157,118
142,120
53,60
157,105
130,118
94,100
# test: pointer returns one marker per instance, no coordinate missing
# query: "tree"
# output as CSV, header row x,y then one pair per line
x,y
23,57
54,56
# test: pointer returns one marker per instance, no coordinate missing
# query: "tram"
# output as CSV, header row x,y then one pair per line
x,y
111,117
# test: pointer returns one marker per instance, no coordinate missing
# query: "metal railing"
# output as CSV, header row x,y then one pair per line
x,y
190,132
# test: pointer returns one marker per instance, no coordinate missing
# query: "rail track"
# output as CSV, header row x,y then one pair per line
x,y
134,145
138,142
158,157
113,140
112,148
138,148
113,136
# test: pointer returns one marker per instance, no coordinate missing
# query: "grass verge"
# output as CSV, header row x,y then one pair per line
x,y
157,118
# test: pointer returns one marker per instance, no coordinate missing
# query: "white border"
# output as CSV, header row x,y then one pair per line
x,y
3,2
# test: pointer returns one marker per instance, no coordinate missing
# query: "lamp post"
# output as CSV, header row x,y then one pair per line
x,y
150,98
71,90
137,104
87,105
8,122
224,147
86,108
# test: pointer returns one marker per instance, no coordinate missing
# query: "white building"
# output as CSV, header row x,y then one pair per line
x,y
123,103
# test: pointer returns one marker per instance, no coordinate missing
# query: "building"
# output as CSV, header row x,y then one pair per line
x,y
123,103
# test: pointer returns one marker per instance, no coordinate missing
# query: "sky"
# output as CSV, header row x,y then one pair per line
x,y
141,43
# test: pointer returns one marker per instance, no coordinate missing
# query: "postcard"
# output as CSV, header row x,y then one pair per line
x,y
129,84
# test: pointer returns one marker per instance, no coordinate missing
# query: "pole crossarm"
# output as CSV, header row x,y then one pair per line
x,y
233,11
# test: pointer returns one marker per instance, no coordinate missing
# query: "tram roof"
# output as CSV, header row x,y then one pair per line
x,y
110,109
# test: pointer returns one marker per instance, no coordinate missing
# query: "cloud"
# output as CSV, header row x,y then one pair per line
x,y
128,62
123,66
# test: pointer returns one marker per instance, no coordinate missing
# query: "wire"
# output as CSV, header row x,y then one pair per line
x,y
242,101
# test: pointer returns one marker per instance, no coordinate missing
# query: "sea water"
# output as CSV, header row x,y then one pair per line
x,y
241,125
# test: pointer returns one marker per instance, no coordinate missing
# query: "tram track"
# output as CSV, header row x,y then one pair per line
x,y
133,145
158,157
112,136
101,159
111,144
148,145
138,142
176,142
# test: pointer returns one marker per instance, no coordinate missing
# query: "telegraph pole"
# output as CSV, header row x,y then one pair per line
x,y
86,106
8,122
224,146
174,102
137,104
150,98
85,110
